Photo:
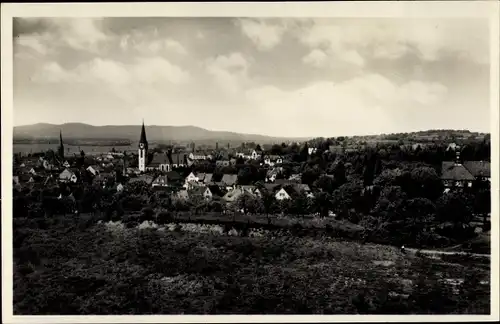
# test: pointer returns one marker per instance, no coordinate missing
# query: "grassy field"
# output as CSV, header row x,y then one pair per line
x,y
66,266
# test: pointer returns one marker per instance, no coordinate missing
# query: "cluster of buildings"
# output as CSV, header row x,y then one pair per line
x,y
172,172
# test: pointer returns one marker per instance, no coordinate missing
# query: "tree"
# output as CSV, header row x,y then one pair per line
x,y
425,182
454,207
322,203
339,173
300,204
268,202
324,183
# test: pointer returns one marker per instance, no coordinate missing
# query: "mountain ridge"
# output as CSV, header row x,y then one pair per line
x,y
132,132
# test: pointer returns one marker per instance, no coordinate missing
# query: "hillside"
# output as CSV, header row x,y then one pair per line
x,y
132,132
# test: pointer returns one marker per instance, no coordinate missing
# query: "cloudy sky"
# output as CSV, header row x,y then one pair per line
x,y
283,77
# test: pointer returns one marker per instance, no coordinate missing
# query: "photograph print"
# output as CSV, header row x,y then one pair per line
x,y
251,165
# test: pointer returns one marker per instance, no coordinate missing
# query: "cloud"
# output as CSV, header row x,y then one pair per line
x,y
108,72
146,46
32,43
319,58
371,102
81,34
263,34
316,57
431,40
229,71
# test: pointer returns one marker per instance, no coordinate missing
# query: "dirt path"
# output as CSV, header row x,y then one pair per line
x,y
448,253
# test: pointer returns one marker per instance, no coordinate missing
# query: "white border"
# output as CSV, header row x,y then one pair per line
x,y
413,9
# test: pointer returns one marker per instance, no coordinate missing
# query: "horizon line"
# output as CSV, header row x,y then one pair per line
x,y
255,134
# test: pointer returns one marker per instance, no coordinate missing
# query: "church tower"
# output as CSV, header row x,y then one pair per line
x,y
61,146
143,149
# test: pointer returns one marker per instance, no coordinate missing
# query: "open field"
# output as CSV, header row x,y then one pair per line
x,y
66,265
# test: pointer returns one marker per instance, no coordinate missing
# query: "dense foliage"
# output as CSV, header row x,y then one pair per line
x,y
64,265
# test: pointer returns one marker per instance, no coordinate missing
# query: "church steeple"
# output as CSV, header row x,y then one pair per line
x,y
143,135
61,146
143,149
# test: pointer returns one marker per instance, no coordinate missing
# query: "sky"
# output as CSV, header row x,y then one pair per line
x,y
279,77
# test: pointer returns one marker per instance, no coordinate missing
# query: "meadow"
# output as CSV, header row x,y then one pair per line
x,y
68,265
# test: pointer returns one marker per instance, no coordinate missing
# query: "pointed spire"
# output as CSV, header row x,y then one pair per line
x,y
143,135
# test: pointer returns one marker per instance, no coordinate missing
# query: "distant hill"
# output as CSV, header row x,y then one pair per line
x,y
132,133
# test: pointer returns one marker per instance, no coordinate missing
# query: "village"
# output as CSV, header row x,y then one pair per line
x,y
227,176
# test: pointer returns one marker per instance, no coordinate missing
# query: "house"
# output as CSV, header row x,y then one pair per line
x,y
272,160
222,163
481,170
66,164
203,192
254,155
174,178
67,176
201,177
189,185
229,180
145,178
160,181
181,195
452,146
191,177
455,175
295,177
118,187
197,157
282,194
271,187
232,195
92,170
271,175
311,150
248,188
284,182
208,178
32,171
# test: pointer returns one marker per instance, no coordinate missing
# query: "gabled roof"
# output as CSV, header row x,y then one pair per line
x,y
161,179
146,178
173,176
198,190
229,179
456,172
285,182
271,187
201,176
158,159
66,174
478,168
208,178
